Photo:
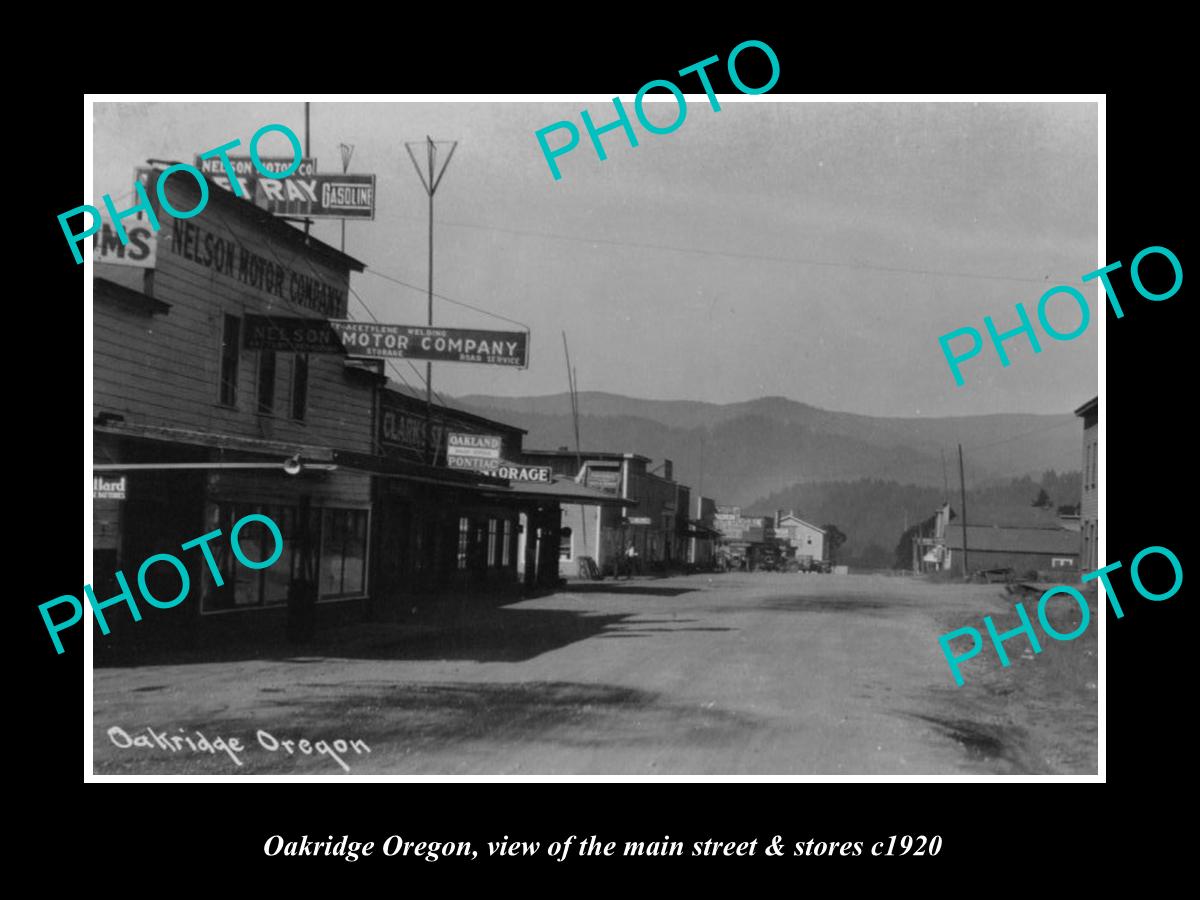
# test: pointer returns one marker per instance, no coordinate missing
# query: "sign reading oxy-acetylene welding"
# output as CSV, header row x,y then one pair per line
x,y
499,348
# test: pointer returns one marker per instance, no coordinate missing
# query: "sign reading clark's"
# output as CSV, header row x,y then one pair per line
x,y
377,339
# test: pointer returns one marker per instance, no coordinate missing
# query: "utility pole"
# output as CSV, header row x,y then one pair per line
x,y
962,484
306,153
431,186
347,150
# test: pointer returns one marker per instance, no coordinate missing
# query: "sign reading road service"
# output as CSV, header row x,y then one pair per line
x,y
288,333
376,339
472,451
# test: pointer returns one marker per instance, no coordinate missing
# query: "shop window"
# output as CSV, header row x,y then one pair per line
x,y
464,541
245,587
299,386
231,348
564,544
504,544
341,535
343,553
266,381
491,542
277,578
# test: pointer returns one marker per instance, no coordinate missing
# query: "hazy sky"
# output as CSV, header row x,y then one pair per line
x,y
754,251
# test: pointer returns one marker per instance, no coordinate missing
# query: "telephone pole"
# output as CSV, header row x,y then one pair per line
x,y
431,185
347,151
962,485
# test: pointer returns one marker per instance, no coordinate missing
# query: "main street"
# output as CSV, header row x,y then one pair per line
x,y
762,673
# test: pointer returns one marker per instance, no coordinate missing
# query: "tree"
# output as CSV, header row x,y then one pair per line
x,y
833,539
1043,499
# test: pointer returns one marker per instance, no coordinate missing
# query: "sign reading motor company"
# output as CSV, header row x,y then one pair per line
x,y
229,258
378,339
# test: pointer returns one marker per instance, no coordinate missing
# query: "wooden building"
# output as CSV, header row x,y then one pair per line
x,y
193,429
1089,511
1023,549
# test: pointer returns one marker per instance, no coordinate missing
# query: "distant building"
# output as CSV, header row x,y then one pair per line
x,y
745,540
1021,548
1089,511
703,534
654,518
806,539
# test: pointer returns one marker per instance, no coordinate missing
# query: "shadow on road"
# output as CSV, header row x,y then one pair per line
x,y
478,634
626,589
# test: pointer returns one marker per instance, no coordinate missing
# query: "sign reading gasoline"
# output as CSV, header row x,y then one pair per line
x,y
472,451
289,333
319,196
247,176
376,339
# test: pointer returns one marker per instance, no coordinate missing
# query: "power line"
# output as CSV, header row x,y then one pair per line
x,y
414,287
754,256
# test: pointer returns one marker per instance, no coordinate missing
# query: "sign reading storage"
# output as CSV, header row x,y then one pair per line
x,y
377,339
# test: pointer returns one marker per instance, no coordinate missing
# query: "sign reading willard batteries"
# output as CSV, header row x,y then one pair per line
x,y
472,451
376,339
319,196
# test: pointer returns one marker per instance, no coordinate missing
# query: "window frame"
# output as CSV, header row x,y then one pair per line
x,y
265,401
230,360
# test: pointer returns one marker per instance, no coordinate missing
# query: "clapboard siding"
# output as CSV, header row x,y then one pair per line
x,y
165,369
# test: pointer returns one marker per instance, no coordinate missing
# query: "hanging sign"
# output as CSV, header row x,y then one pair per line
x,y
376,339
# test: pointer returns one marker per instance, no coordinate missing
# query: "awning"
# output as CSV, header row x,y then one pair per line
x,y
564,490
275,449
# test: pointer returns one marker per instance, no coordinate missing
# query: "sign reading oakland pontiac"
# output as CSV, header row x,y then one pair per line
x,y
472,451
377,339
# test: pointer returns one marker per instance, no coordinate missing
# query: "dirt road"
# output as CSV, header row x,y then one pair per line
x,y
763,673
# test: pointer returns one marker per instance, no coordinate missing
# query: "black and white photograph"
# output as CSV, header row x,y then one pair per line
x,y
678,435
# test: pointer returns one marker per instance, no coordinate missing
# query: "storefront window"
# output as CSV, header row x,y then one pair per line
x,y
491,542
504,544
341,535
277,578
343,552
354,569
464,541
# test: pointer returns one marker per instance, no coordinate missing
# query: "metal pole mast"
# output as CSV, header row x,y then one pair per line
x,y
962,484
431,186
306,152
347,150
